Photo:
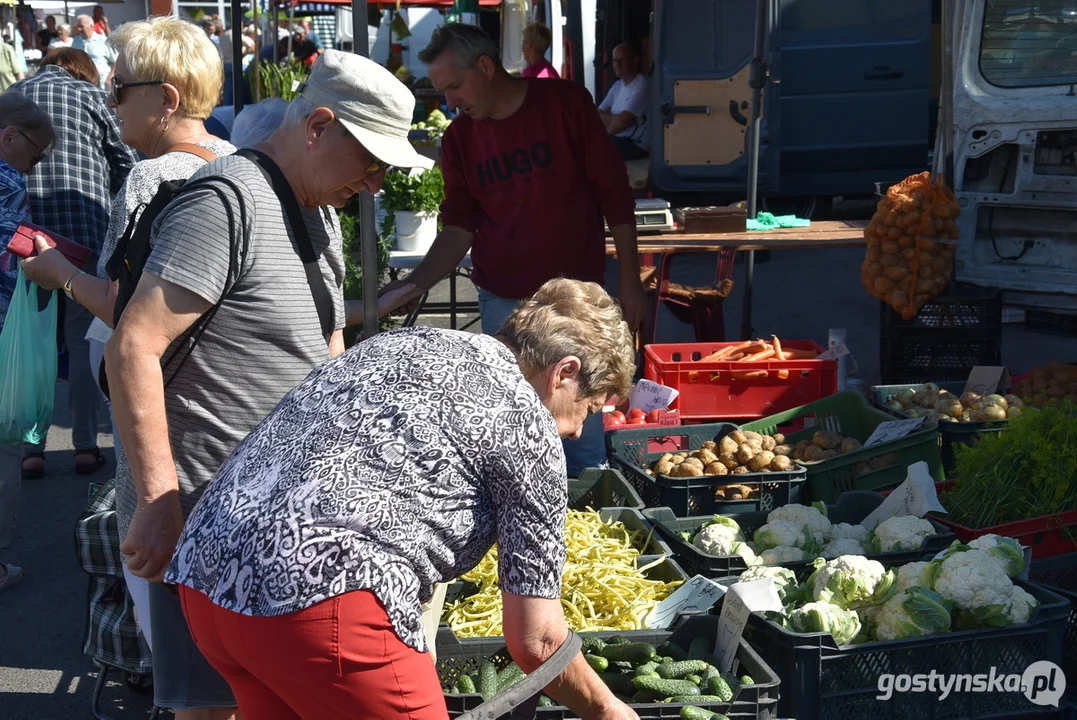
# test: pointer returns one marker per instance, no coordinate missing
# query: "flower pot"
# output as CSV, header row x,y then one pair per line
x,y
415,231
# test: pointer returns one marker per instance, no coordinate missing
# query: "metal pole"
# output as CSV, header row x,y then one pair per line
x,y
237,56
757,80
368,232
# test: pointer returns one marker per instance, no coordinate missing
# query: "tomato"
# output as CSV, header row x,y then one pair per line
x,y
617,418
637,420
654,416
636,413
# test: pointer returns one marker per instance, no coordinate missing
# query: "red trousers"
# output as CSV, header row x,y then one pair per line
x,y
337,659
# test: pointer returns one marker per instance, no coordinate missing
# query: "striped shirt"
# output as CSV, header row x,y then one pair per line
x,y
265,338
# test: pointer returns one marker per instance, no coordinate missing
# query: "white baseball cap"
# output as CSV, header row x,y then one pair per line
x,y
370,102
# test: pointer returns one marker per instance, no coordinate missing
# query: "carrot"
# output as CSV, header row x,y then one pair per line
x,y
777,347
759,356
750,375
693,376
799,354
783,374
736,356
725,352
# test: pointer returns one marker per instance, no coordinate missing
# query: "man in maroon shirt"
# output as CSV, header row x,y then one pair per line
x,y
530,173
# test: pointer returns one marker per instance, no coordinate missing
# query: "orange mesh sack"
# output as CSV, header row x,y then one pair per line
x,y
910,244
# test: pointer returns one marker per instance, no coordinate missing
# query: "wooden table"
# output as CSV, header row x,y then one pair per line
x,y
825,233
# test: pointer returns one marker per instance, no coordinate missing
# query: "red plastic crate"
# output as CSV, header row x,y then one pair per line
x,y
666,418
1047,535
708,390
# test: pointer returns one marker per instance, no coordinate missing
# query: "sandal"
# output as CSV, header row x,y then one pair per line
x,y
96,462
33,473
14,575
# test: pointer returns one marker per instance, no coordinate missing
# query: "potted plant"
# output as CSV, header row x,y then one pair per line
x,y
410,203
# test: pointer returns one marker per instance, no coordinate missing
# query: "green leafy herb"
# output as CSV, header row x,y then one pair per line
x,y
418,193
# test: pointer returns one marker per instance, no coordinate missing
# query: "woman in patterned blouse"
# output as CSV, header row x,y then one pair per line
x,y
392,468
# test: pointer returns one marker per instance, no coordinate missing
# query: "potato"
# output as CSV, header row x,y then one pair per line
x,y
784,450
768,443
728,444
729,460
706,456
814,453
716,468
649,472
849,445
710,445
666,457
694,462
745,454
749,436
756,444
690,470
664,468
826,440
679,457
781,463
738,437
827,454
878,463
762,460
862,468
719,493
801,449
740,470
779,439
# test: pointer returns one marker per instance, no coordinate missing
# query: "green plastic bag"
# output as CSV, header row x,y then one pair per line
x,y
27,366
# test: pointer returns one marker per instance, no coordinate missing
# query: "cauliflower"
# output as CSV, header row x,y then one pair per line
x,y
869,618
1022,606
809,515
845,546
843,624
782,554
784,580
977,585
783,532
1006,551
722,537
845,531
905,532
915,574
912,613
851,581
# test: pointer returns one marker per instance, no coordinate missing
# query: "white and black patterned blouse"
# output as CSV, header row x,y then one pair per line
x,y
391,468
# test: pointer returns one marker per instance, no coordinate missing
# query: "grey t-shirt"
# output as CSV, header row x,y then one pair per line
x,y
264,339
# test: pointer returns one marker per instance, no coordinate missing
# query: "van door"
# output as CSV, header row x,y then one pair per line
x,y
700,99
855,93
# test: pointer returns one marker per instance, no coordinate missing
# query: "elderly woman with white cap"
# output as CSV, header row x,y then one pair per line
x,y
238,299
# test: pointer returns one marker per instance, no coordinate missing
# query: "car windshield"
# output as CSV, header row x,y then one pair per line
x,y
1029,44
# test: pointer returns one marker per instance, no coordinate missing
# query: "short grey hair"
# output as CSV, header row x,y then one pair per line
x,y
467,43
19,111
65,27
297,113
256,123
80,18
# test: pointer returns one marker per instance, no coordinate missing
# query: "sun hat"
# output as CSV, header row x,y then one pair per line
x,y
369,101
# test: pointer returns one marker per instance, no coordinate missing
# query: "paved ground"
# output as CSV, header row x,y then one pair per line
x,y
43,674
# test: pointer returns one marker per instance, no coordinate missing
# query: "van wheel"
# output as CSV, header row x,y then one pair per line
x,y
807,207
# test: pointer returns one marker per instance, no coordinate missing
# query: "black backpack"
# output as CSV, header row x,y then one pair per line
x,y
133,249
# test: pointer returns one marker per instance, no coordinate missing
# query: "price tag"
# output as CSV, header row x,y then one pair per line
x,y
833,353
893,430
916,496
647,396
741,600
697,595
986,380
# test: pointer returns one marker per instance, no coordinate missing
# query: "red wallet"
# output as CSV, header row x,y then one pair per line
x,y
22,244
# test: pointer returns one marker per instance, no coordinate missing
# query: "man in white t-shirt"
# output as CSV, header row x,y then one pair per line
x,y
624,111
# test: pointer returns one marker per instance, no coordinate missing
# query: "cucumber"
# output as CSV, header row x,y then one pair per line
x,y
509,677
673,650
717,685
623,665
487,684
746,680
695,699
647,669
695,679
592,645
466,685
682,669
640,698
597,662
546,702
699,648
689,712
619,683
618,640
635,653
710,672
660,688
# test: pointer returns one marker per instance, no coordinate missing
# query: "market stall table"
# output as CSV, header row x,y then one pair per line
x,y
401,260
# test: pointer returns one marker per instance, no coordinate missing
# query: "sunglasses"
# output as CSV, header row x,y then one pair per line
x,y
378,166
116,87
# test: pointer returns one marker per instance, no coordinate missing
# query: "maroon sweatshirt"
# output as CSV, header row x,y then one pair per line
x,y
534,188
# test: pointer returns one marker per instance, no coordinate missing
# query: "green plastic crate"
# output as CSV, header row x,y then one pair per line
x,y
850,415
602,488
950,433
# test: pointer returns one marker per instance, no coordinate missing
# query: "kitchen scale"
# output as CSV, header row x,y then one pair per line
x,y
652,215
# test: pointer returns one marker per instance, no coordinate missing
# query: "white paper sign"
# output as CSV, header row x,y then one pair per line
x,y
697,595
916,496
833,353
647,396
893,430
741,600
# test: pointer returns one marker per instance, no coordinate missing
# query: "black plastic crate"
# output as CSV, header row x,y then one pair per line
x,y
601,488
633,450
937,357
457,657
970,308
1051,322
851,507
822,681
1059,574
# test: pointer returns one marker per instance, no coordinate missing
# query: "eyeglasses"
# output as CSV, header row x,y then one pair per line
x,y
117,86
42,152
378,166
